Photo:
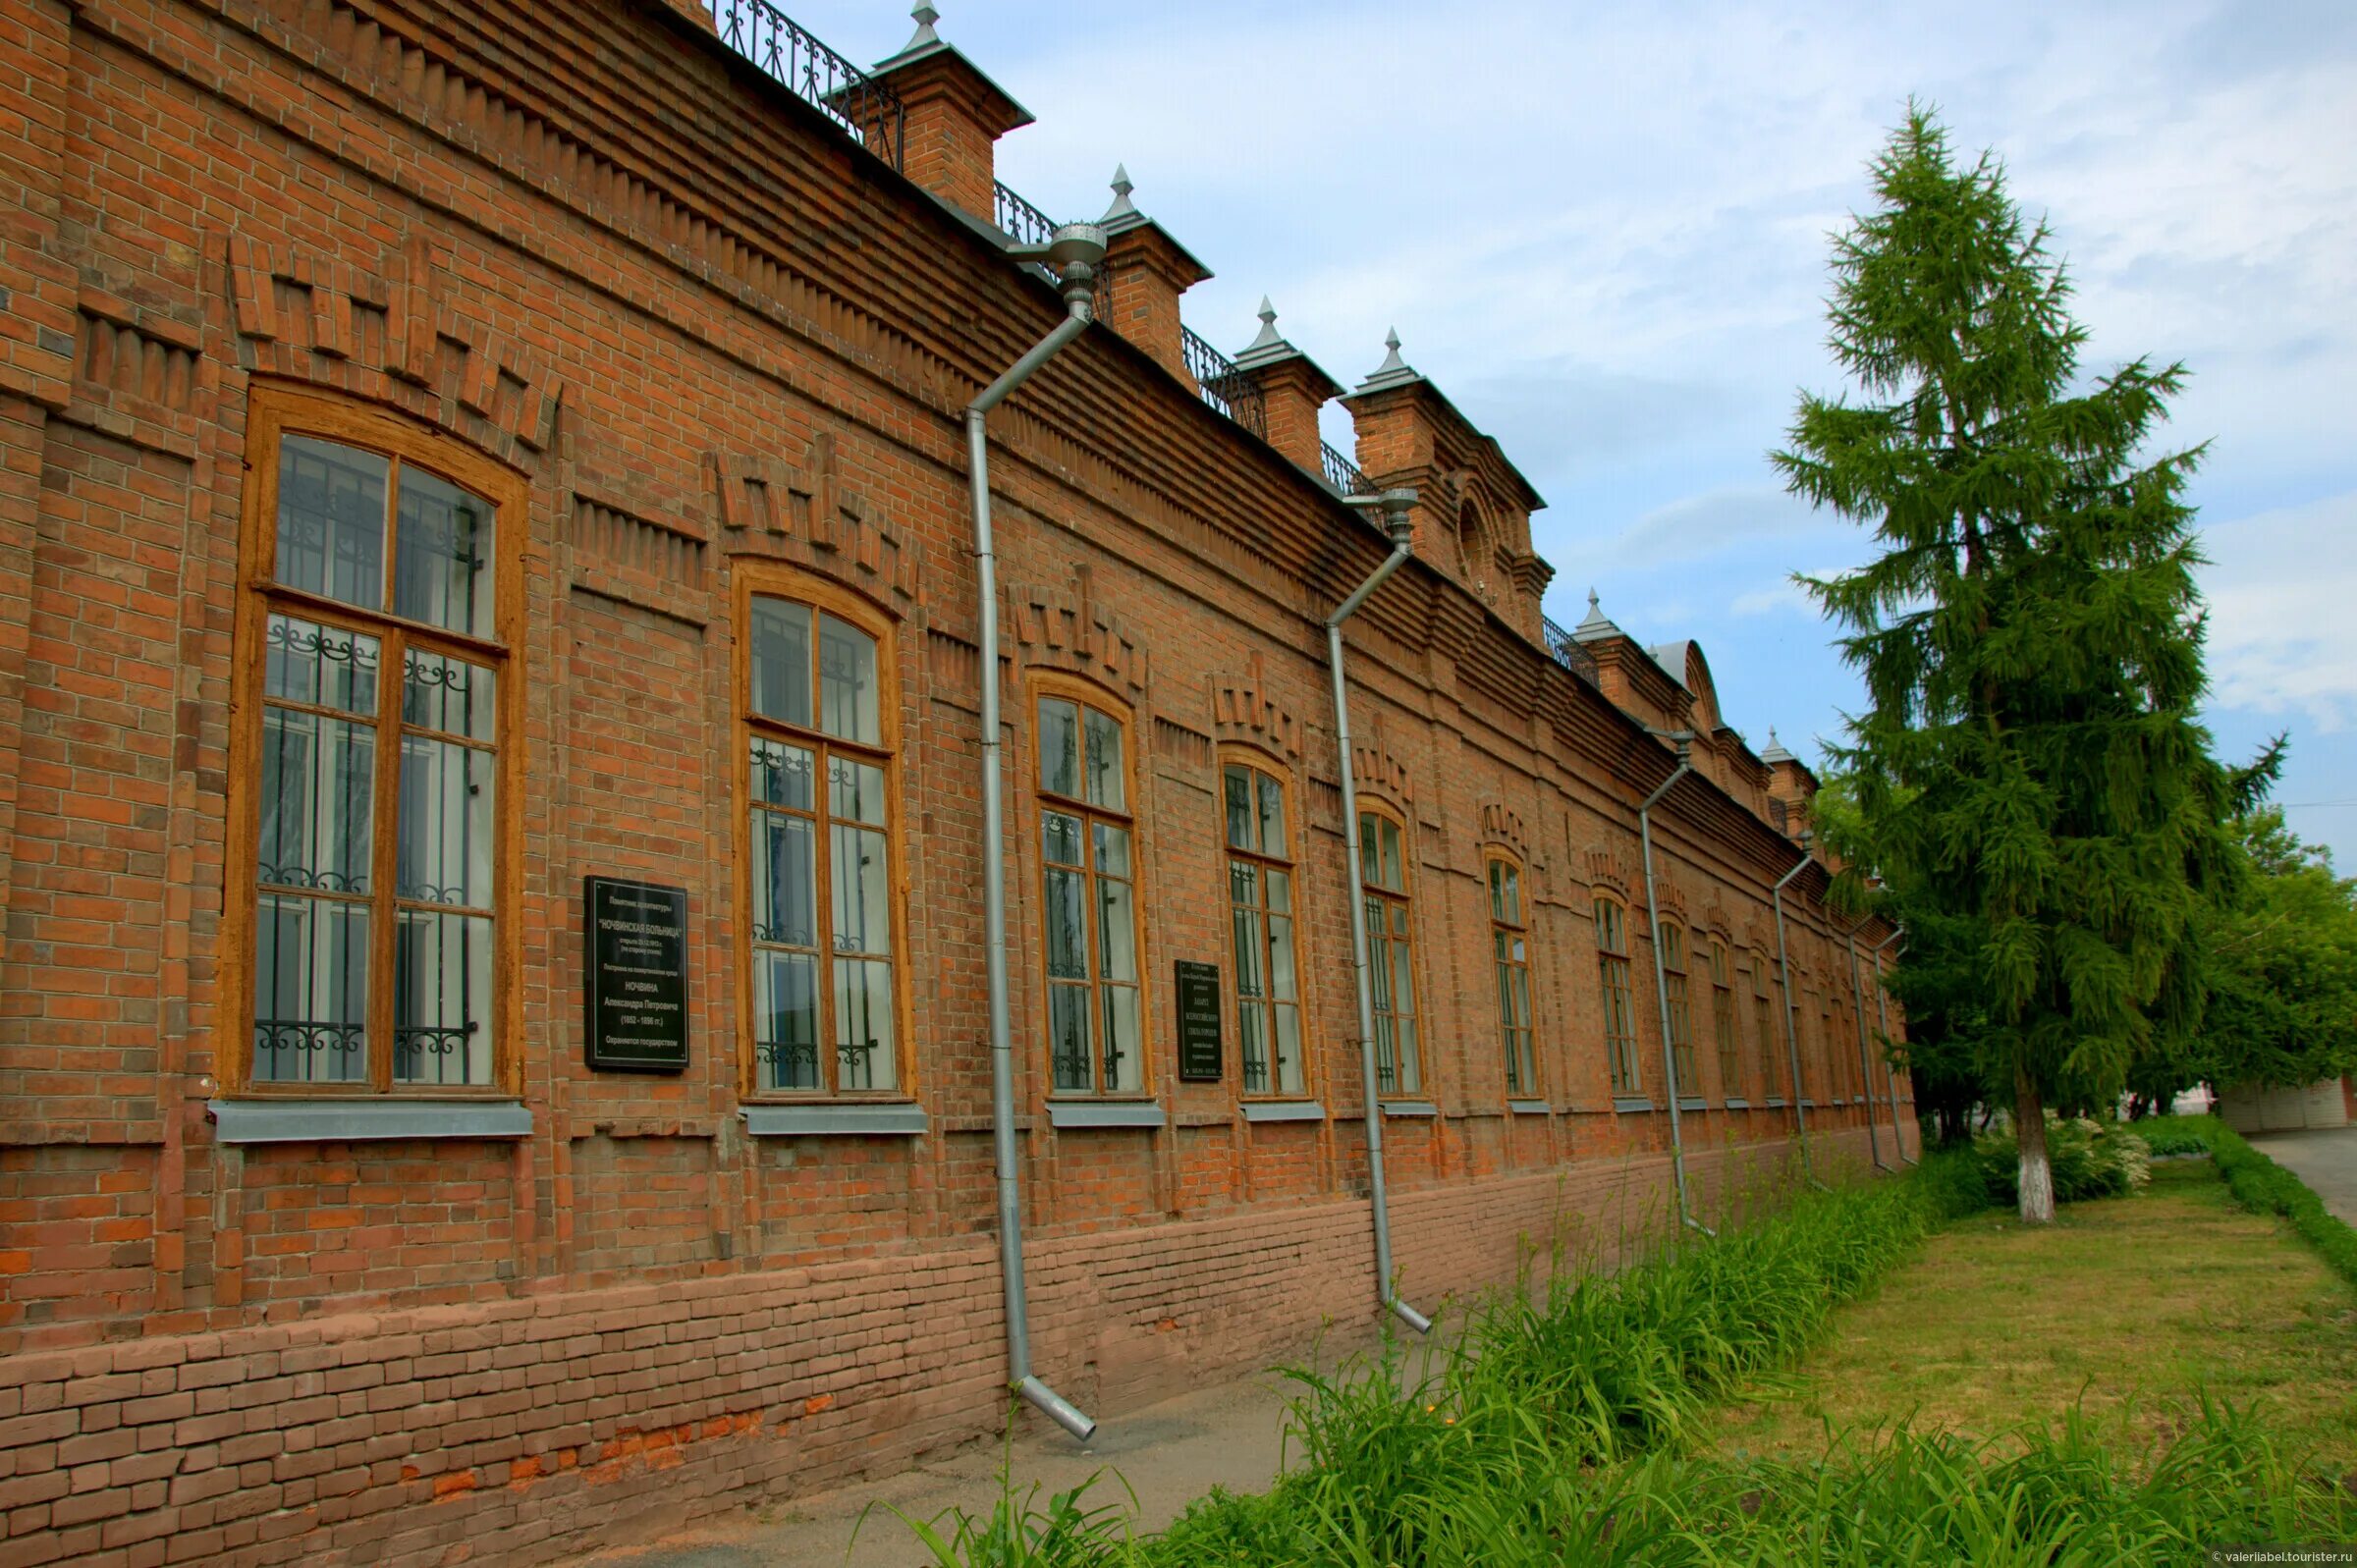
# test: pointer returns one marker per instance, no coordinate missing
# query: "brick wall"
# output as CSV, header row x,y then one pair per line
x,y
584,247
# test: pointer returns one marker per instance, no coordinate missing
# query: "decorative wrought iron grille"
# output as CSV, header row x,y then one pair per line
x,y
1567,651
1343,473
1225,387
865,108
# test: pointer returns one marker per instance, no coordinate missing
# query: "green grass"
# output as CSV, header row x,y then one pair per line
x,y
2007,1397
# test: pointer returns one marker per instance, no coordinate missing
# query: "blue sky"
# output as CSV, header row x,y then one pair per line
x,y
1603,232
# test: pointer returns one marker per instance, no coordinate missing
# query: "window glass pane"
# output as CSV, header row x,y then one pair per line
x,y
1124,1069
864,1049
1117,931
1497,898
1252,1030
1067,926
1395,873
1271,816
1520,984
441,998
442,555
446,823
318,794
1387,1054
310,990
782,774
856,791
1412,1072
1061,833
1113,850
860,869
324,666
447,694
786,1019
1068,1037
1510,880
1400,922
1281,890
1243,882
782,879
1370,863
331,520
1288,1021
1404,981
1107,781
1237,783
778,658
1251,954
849,695
1060,748
1280,958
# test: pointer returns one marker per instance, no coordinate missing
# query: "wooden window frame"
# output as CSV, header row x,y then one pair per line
x,y
1046,685
1679,996
1763,1008
1388,900
1521,1053
1624,1068
273,413
1722,1022
1266,766
776,580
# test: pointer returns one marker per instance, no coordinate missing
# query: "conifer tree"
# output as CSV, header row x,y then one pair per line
x,y
2028,762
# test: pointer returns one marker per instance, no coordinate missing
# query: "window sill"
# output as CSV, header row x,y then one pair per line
x,y
834,1120
1105,1114
1778,1105
1631,1105
1409,1108
1695,1103
1283,1111
1737,1105
242,1122
1527,1108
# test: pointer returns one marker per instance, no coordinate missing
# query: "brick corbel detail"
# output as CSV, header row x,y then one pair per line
x,y
800,513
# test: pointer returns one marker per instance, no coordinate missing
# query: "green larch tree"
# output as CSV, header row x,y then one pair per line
x,y
2028,762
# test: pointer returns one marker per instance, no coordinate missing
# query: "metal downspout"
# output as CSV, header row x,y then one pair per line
x,y
1661,991
1395,504
1078,288
1783,965
1881,1026
1857,1004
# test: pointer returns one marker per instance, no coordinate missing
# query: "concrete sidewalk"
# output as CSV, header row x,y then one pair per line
x,y
2324,1158
1229,1435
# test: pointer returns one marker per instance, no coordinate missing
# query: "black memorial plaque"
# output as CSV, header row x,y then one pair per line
x,y
637,976
1199,1051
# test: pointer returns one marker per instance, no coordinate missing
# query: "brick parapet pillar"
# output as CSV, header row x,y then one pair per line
x,y
952,117
1292,389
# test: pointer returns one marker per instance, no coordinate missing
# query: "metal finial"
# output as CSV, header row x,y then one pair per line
x,y
1267,337
925,17
1391,361
1591,601
1771,741
1123,208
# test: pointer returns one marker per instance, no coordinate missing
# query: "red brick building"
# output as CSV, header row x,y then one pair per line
x,y
571,363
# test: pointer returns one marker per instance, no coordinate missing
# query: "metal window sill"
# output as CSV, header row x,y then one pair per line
x,y
1409,1108
1630,1105
833,1121
1106,1114
1778,1105
1695,1103
1737,1105
1527,1108
239,1122
1283,1111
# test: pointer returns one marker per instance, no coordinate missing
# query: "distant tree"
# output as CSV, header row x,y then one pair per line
x,y
2283,967
2028,764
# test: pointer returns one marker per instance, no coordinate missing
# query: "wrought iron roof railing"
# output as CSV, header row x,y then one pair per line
x,y
865,108
1567,651
1225,387
1343,473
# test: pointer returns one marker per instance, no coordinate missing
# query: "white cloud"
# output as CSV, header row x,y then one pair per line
x,y
2283,635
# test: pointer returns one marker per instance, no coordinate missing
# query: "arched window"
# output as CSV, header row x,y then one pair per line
x,y
1762,1020
1391,949
1681,1010
1088,893
1619,1007
820,742
1262,912
1509,951
1722,1020
375,784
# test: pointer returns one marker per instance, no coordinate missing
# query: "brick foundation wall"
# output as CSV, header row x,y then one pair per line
x,y
523,1430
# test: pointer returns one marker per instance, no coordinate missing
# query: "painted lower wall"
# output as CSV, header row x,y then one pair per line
x,y
519,1431
2316,1105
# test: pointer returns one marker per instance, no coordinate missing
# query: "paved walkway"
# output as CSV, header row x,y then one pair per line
x,y
2326,1159
1229,1435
